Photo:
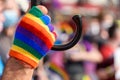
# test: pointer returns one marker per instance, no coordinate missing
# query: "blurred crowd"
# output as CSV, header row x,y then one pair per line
x,y
95,57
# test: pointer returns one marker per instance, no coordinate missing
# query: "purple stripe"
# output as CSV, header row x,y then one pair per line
x,y
51,27
32,37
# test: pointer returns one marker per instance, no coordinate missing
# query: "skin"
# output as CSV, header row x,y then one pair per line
x,y
18,70
40,72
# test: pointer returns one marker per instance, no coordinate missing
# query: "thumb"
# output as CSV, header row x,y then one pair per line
x,y
43,9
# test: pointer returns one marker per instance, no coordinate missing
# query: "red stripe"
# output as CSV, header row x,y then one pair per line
x,y
38,30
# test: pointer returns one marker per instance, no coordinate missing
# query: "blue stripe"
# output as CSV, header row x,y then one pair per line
x,y
29,42
33,37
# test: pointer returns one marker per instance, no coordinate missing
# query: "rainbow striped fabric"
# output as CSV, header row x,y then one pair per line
x,y
34,37
59,70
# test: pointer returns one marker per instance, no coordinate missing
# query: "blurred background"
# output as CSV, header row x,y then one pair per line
x,y
95,57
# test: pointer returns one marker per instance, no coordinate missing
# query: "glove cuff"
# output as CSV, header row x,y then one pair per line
x,y
21,57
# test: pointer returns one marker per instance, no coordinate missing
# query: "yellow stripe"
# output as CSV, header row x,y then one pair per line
x,y
24,52
38,21
59,70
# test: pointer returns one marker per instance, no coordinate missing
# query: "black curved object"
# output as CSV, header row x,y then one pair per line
x,y
78,21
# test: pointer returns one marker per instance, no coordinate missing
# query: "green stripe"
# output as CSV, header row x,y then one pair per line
x,y
36,12
27,48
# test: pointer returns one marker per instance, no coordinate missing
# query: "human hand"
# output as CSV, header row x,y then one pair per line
x,y
34,36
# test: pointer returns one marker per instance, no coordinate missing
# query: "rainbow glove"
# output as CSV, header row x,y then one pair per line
x,y
34,37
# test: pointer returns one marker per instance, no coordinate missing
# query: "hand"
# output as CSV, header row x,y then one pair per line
x,y
34,36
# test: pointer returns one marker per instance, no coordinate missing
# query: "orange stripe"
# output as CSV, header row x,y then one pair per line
x,y
32,29
37,29
23,58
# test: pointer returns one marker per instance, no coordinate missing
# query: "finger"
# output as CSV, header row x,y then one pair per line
x,y
43,9
51,27
54,33
46,19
